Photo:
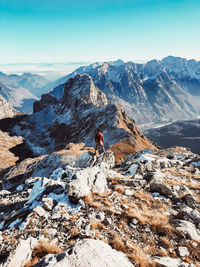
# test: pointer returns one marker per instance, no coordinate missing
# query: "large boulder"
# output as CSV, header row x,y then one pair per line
x,y
87,253
85,160
161,188
88,159
85,181
22,253
188,229
171,262
107,158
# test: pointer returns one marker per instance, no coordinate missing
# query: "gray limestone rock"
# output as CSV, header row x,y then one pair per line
x,y
170,262
84,160
183,251
86,181
21,254
189,229
87,253
161,188
48,203
107,158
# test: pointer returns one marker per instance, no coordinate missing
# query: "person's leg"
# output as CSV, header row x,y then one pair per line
x,y
102,146
96,148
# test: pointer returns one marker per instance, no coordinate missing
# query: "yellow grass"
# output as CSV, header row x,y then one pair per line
x,y
4,202
74,231
74,216
97,225
119,189
165,242
45,247
157,220
134,252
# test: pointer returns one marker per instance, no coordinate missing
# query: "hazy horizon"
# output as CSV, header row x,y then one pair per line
x,y
51,70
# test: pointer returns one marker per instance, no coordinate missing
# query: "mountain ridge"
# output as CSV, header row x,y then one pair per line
x,y
22,90
75,117
150,92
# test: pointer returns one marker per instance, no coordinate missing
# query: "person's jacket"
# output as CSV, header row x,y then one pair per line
x,y
99,137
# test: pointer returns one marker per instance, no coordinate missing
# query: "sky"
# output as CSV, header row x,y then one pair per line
x,y
76,31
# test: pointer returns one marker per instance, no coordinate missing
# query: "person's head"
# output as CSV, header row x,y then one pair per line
x,y
98,130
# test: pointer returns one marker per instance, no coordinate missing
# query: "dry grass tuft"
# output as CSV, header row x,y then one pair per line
x,y
134,252
92,200
119,189
97,225
31,223
107,203
157,219
71,242
42,248
121,224
194,250
45,247
165,242
31,230
13,240
196,196
74,216
114,180
117,243
32,262
45,232
109,210
74,231
141,194
4,202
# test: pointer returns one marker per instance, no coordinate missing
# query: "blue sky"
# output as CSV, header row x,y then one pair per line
x,y
89,31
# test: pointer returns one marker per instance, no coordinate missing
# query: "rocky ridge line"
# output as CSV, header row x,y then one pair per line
x,y
75,118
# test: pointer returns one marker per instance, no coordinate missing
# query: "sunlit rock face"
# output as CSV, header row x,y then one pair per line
x,y
75,118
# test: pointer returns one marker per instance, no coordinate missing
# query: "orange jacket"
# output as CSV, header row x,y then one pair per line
x,y
99,137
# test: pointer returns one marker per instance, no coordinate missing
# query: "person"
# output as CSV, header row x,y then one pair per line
x,y
99,138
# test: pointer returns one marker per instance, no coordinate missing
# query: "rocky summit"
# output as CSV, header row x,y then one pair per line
x,y
73,209
63,205
75,118
6,110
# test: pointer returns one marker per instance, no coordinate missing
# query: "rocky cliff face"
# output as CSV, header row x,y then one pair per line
x,y
6,110
75,118
72,209
158,91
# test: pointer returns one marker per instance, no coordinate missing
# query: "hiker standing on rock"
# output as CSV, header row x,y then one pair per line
x,y
99,138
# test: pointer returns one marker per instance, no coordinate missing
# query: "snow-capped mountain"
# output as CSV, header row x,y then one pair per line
x,y
157,91
75,117
22,90
34,83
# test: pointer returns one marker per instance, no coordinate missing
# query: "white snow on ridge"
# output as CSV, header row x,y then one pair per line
x,y
114,76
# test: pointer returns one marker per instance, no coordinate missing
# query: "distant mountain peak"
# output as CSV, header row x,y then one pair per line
x,y
117,62
156,91
2,74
